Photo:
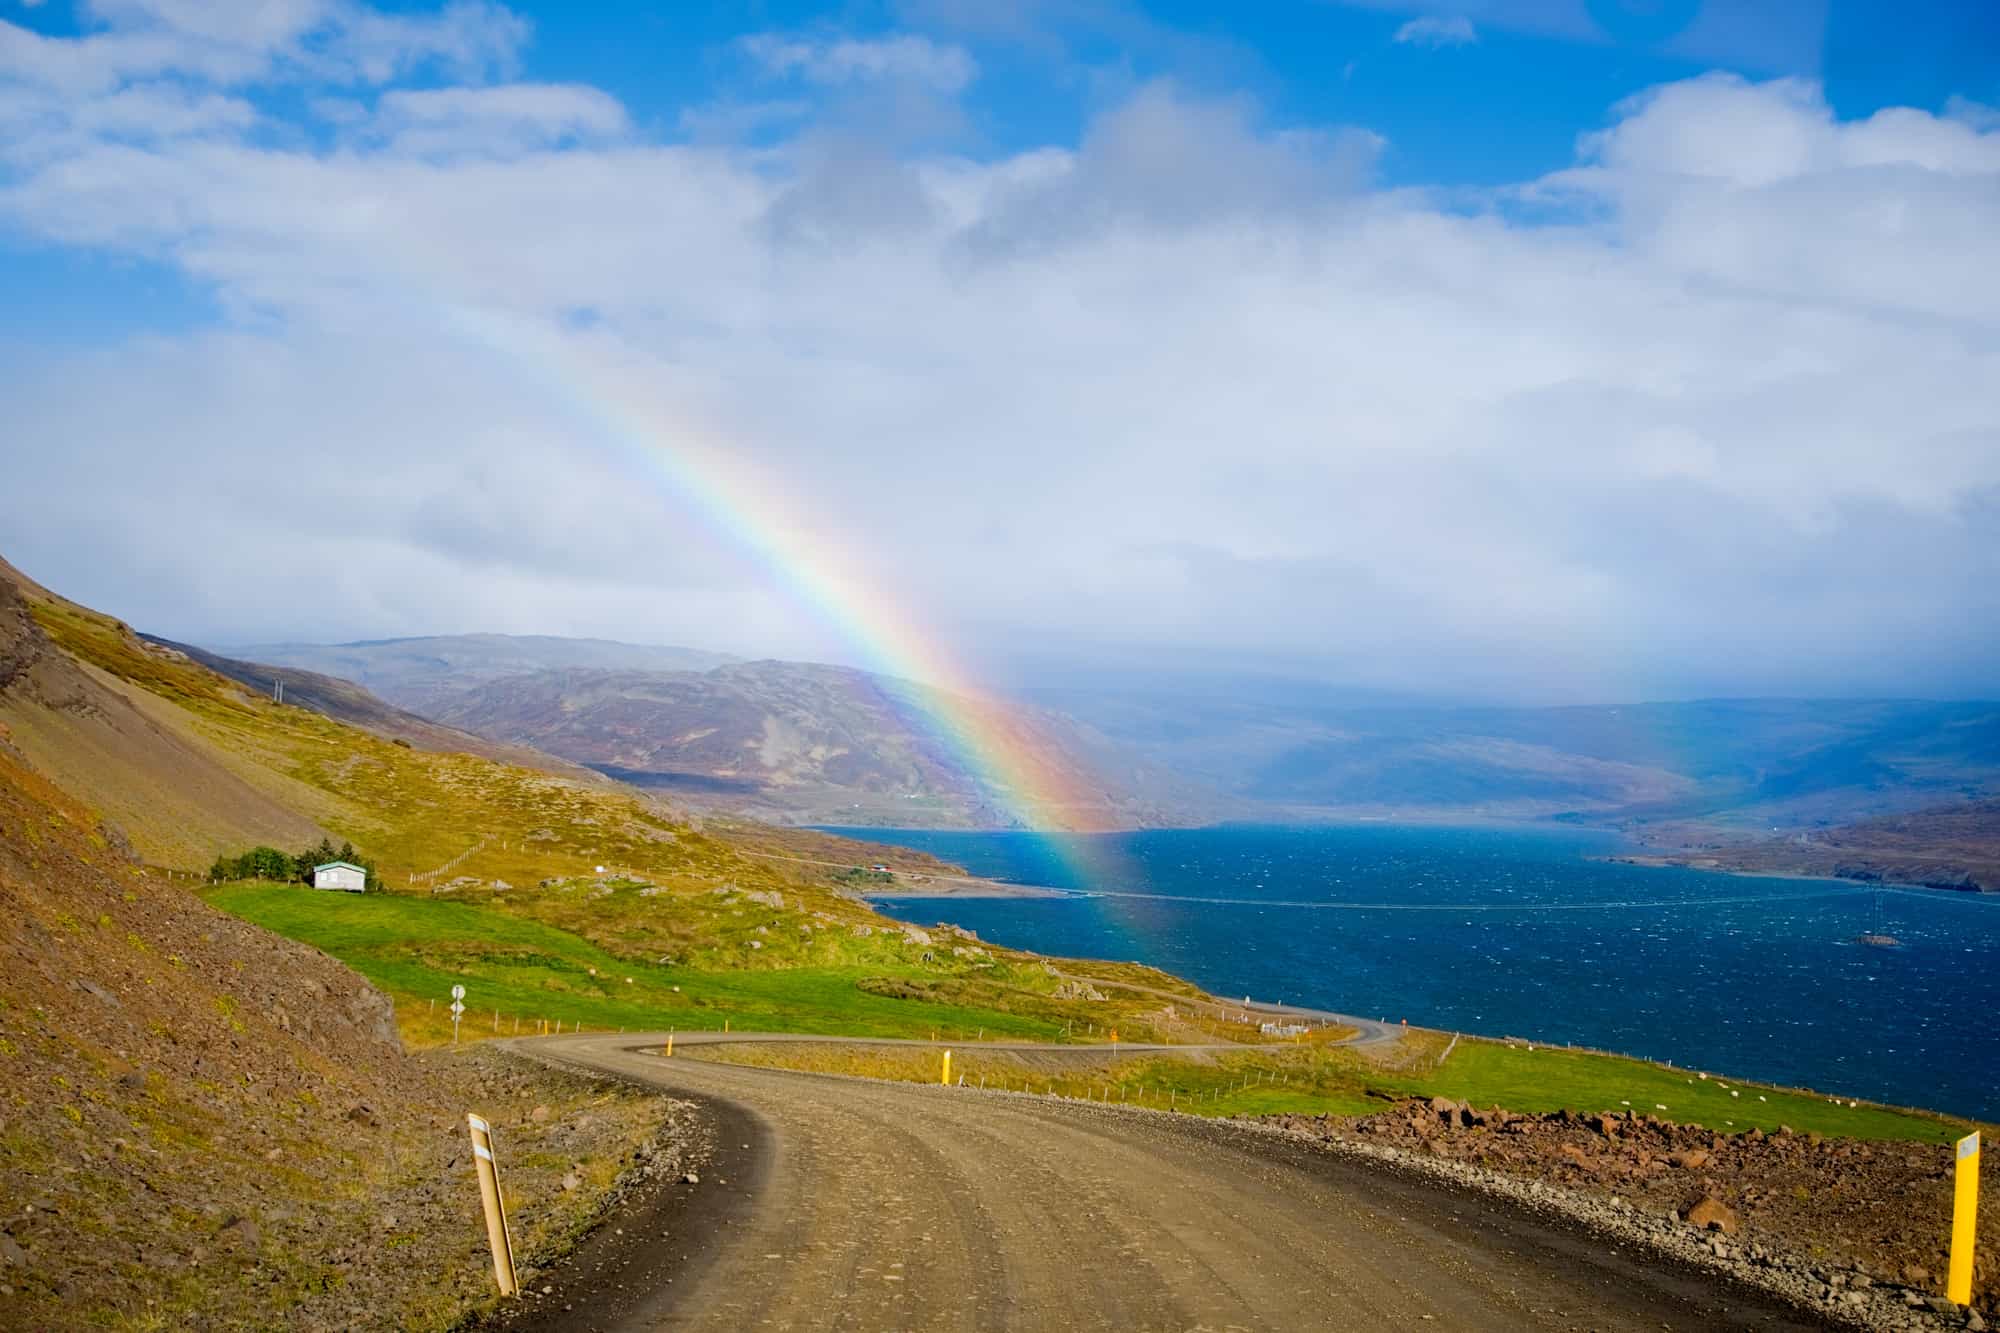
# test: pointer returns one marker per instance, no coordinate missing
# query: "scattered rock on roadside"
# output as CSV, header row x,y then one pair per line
x,y
1712,1214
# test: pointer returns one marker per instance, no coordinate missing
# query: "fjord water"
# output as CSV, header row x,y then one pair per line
x,y
1526,933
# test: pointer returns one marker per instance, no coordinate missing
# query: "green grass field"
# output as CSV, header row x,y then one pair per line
x,y
1545,1078
417,949
1266,1081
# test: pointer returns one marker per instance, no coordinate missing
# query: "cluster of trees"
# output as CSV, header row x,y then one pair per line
x,y
285,868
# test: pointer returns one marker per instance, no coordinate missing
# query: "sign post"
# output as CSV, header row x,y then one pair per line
x,y
457,1010
1964,1216
496,1210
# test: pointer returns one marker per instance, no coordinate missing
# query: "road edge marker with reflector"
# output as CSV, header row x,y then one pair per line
x,y
496,1212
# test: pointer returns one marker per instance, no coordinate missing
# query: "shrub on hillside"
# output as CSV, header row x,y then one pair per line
x,y
268,863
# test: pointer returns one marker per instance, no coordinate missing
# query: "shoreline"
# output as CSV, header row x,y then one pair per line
x,y
940,887
1808,1073
1708,866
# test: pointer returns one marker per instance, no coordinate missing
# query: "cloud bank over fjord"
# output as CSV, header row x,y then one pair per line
x,y
1711,410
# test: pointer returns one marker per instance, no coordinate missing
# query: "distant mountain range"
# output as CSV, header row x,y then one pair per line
x,y
807,743
1749,763
783,741
417,673
1953,846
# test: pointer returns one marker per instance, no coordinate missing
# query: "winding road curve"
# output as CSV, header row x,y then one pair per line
x,y
839,1203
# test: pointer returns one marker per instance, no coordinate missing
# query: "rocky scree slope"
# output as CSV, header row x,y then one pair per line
x,y
1830,1216
176,1083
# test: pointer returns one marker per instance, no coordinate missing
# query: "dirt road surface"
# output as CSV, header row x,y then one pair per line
x,y
837,1203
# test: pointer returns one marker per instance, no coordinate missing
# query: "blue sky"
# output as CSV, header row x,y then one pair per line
x,y
1502,98
1380,342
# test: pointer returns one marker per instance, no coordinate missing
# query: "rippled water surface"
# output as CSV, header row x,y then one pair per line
x,y
1524,933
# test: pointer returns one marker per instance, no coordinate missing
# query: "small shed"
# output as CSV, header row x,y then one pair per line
x,y
342,875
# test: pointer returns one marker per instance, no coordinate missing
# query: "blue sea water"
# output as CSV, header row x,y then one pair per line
x,y
1526,933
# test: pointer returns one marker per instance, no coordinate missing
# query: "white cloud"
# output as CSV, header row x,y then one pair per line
x,y
496,120
233,43
1436,32
1192,382
846,61
1762,188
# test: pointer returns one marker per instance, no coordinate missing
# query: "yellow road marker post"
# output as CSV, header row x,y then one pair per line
x,y
670,1041
1964,1216
944,1074
496,1212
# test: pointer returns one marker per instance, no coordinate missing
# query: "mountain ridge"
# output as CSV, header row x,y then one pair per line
x,y
816,743
410,671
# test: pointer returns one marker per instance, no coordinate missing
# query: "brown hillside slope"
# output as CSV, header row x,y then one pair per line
x,y
159,1058
344,701
171,797
1942,847
206,1125
185,763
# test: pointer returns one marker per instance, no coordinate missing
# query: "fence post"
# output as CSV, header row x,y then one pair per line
x,y
496,1210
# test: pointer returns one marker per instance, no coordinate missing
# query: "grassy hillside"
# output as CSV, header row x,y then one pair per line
x,y
353,704
530,972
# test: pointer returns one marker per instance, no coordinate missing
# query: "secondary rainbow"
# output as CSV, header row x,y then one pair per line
x,y
988,740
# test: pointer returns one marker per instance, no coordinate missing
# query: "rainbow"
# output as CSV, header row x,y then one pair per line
x,y
995,746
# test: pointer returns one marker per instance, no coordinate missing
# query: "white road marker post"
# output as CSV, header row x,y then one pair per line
x,y
457,1010
496,1210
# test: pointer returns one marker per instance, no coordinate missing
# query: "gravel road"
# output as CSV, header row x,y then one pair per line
x,y
835,1203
